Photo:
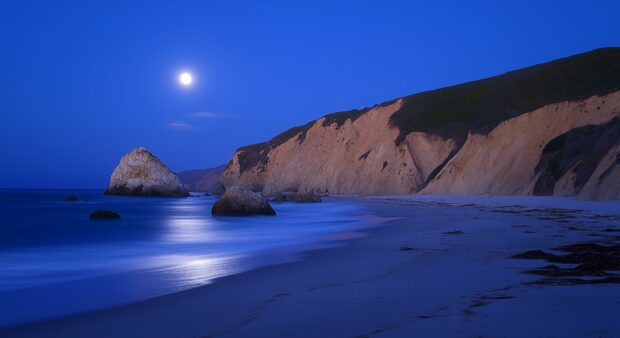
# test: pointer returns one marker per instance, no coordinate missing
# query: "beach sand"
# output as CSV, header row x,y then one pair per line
x,y
440,267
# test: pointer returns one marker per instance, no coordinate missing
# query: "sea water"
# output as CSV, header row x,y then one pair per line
x,y
54,261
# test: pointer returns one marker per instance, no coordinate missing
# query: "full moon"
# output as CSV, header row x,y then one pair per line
x,y
185,78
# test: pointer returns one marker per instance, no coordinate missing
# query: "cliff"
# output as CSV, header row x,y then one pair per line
x,y
140,173
204,180
550,129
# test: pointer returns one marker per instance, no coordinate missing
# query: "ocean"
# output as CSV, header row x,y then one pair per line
x,y
55,262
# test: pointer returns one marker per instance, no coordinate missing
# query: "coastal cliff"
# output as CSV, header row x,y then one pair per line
x,y
550,129
203,180
140,173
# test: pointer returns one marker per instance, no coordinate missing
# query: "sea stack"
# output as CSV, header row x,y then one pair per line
x,y
140,173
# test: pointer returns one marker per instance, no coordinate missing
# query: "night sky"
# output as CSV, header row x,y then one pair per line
x,y
83,82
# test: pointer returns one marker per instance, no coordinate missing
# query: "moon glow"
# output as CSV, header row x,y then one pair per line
x,y
185,79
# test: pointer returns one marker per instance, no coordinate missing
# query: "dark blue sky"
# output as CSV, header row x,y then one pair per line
x,y
84,82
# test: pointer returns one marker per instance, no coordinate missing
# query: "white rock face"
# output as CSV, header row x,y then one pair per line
x,y
140,173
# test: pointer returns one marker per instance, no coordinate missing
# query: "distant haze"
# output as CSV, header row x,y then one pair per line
x,y
84,82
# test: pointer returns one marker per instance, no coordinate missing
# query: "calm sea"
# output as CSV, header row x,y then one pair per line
x,y
55,262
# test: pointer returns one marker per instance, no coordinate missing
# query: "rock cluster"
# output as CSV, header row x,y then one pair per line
x,y
308,196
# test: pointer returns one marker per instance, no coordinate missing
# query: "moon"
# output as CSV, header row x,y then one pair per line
x,y
186,79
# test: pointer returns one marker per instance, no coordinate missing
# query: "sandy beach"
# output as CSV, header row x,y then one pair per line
x,y
439,267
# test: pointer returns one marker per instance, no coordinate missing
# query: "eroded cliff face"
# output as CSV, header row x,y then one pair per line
x,y
550,129
356,157
604,183
505,161
360,157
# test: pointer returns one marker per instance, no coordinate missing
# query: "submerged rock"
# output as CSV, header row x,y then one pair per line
x,y
71,198
241,201
455,232
104,214
140,173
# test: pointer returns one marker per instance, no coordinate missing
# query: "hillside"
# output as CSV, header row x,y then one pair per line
x,y
203,180
490,136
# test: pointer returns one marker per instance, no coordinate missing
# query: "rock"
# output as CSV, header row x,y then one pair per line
x,y
104,214
241,201
284,196
71,198
307,197
300,197
586,259
140,173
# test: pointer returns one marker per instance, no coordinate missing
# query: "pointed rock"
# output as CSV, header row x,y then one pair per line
x,y
140,173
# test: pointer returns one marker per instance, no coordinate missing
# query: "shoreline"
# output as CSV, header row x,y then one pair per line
x,y
54,254
372,287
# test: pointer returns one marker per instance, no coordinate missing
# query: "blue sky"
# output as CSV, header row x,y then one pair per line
x,y
84,82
